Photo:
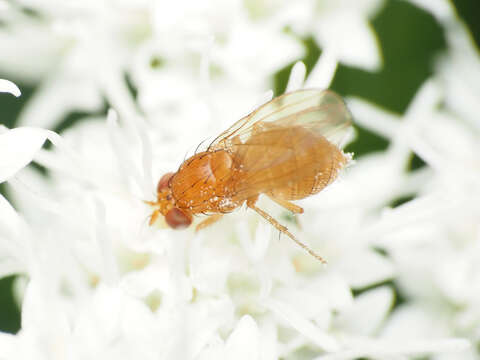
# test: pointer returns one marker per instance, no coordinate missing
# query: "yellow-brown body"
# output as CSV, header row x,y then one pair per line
x,y
290,164
205,183
284,150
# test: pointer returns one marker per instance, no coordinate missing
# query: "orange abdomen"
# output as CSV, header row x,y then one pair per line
x,y
288,163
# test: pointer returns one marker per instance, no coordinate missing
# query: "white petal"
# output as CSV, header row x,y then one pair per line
x,y
141,283
385,350
140,328
365,268
9,267
334,289
9,219
460,72
8,346
9,87
253,51
213,351
209,269
309,304
414,321
297,77
323,72
351,38
244,342
441,9
269,343
107,306
374,118
4,5
426,98
56,98
294,319
368,312
436,346
97,324
39,309
21,145
110,270
29,51
255,250
13,252
205,319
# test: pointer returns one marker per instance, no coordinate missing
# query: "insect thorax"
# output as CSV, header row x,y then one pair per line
x,y
204,183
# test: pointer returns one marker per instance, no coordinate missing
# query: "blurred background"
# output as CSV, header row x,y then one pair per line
x,y
410,37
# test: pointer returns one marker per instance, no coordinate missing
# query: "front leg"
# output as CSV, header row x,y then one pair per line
x,y
208,221
153,217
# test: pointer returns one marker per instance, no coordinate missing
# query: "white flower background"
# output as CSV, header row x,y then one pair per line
x,y
93,281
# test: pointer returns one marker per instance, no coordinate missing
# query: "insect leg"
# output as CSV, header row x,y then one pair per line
x,y
283,229
208,221
288,205
154,217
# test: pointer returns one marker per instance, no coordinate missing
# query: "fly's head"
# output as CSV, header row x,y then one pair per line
x,y
175,217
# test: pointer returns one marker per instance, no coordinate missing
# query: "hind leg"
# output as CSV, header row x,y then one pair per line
x,y
251,204
288,205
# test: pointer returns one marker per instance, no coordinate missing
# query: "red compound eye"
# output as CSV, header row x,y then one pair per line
x,y
163,182
177,219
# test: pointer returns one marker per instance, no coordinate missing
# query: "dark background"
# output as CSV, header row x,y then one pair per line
x,y
411,39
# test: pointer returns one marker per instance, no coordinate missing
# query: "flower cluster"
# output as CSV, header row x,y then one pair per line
x,y
95,281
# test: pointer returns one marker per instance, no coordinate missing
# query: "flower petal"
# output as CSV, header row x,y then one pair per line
x,y
364,268
9,219
244,342
355,41
297,77
9,87
8,345
291,316
323,72
368,312
21,144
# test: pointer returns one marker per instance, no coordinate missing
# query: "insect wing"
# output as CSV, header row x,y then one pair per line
x,y
321,111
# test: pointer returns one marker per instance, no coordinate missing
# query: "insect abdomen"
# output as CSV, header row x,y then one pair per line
x,y
316,168
289,163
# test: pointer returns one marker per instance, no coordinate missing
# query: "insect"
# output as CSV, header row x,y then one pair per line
x,y
286,149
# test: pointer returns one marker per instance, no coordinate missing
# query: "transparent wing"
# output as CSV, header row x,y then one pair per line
x,y
320,111
287,162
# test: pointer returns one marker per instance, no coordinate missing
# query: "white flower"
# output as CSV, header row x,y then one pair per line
x,y
459,72
341,28
100,283
433,239
23,143
443,10
96,203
